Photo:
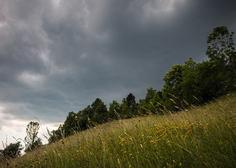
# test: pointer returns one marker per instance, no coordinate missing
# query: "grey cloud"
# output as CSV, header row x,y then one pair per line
x,y
59,58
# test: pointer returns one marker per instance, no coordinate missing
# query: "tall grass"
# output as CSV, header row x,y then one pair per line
x,y
197,137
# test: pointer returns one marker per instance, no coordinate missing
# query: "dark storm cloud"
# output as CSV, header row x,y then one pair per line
x,y
60,55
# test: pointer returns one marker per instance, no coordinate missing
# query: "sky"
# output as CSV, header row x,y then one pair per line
x,y
58,56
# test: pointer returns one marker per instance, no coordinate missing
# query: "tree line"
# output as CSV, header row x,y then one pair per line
x,y
185,85
190,83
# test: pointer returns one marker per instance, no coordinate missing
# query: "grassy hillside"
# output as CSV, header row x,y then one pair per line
x,y
198,137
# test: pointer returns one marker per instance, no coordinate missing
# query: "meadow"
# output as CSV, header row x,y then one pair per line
x,y
200,136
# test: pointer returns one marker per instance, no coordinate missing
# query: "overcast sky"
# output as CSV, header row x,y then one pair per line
x,y
58,56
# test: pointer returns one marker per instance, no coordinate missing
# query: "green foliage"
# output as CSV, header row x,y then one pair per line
x,y
200,81
32,140
100,114
89,116
130,99
151,103
209,81
11,151
55,135
171,89
83,117
125,111
188,84
193,83
223,54
70,125
113,108
129,108
221,48
150,95
156,104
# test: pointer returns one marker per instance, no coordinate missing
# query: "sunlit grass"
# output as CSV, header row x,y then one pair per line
x,y
197,137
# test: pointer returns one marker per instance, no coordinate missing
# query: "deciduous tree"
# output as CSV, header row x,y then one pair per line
x,y
100,113
114,106
70,125
171,89
222,53
32,140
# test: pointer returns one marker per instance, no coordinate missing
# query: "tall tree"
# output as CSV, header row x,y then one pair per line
x,y
150,94
114,106
221,48
100,113
83,117
124,108
188,84
131,104
171,89
32,140
222,53
125,112
130,99
208,81
70,125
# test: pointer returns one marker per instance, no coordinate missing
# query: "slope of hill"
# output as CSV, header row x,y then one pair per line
x,y
203,136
